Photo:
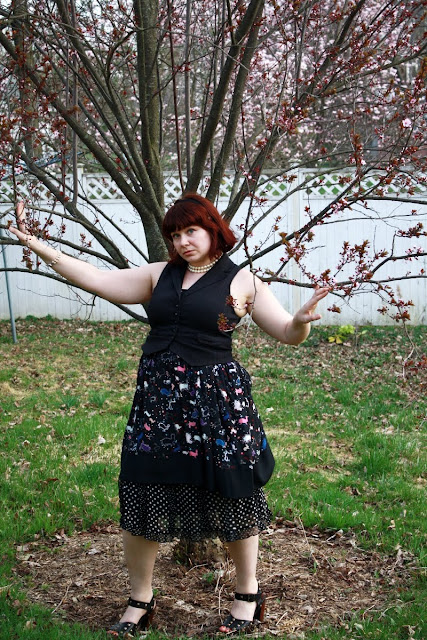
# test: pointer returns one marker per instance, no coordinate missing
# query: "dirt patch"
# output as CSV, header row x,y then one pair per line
x,y
9,391
309,579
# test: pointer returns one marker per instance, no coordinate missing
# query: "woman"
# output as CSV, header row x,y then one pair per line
x,y
195,456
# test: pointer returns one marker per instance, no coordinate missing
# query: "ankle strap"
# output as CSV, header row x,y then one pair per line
x,y
141,605
248,597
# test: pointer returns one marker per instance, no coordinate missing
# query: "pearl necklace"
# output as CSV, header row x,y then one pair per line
x,y
205,267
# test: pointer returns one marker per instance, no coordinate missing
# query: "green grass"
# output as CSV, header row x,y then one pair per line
x,y
348,432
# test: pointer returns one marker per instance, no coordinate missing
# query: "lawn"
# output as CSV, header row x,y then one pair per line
x,y
347,424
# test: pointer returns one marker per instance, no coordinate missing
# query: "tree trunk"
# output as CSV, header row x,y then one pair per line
x,y
208,552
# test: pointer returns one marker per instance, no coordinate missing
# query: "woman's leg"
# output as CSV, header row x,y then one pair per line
x,y
140,556
244,554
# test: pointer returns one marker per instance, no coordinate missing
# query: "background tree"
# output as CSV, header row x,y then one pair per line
x,y
134,88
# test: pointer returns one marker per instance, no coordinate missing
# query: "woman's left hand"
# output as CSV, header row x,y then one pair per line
x,y
306,314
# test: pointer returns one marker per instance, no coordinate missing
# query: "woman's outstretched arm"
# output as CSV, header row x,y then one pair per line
x,y
122,286
269,314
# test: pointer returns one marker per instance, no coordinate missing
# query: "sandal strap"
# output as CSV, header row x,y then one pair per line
x,y
141,605
248,597
235,624
120,628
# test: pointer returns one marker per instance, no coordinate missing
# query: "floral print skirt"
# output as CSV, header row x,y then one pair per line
x,y
195,454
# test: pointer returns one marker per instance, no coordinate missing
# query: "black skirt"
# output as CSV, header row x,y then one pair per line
x,y
195,454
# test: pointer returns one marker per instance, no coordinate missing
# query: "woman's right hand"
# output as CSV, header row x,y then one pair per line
x,y
123,286
20,231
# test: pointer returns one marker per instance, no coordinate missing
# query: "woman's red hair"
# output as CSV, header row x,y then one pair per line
x,y
193,209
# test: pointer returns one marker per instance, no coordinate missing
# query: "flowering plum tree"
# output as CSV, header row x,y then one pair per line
x,y
245,88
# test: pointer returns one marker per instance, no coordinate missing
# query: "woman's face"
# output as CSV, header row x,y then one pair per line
x,y
193,244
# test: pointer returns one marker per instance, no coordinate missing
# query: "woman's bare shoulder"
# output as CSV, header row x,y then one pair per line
x,y
246,281
156,270
157,267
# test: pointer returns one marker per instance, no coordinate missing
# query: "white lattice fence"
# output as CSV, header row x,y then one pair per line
x,y
287,197
101,187
331,185
30,188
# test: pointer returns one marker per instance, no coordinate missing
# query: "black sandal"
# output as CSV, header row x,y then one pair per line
x,y
129,629
234,625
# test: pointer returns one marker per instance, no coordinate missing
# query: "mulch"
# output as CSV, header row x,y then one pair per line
x,y
310,578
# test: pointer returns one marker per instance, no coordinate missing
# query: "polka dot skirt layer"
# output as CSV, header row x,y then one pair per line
x,y
165,512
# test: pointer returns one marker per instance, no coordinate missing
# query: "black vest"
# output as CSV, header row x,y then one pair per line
x,y
194,323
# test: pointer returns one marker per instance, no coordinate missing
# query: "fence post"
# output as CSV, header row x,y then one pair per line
x,y
9,295
295,220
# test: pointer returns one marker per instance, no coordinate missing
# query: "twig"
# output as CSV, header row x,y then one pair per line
x,y
306,539
197,566
406,360
399,603
63,598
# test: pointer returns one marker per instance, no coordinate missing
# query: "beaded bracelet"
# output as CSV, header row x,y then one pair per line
x,y
55,260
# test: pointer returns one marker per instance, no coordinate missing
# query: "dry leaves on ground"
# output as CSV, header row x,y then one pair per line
x,y
309,580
